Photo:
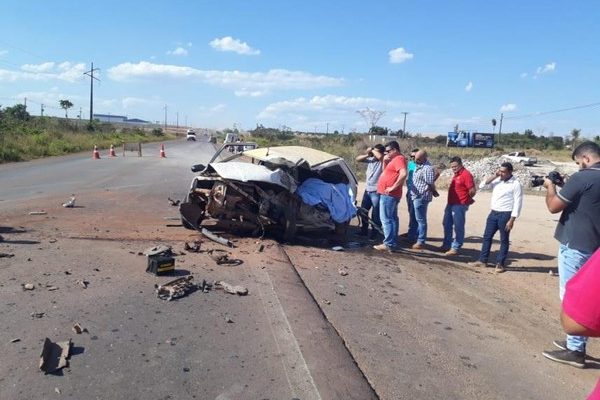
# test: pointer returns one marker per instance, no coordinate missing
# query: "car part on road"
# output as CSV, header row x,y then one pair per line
x,y
70,203
160,264
54,355
239,290
173,203
216,238
175,289
222,258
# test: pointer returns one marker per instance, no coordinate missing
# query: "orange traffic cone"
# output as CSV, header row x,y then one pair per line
x,y
162,151
111,153
96,154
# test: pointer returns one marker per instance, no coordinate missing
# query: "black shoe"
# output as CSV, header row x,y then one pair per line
x,y
361,233
573,358
561,344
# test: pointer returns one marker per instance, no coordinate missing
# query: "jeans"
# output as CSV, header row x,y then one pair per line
x,y
454,216
569,262
370,200
388,210
412,219
420,207
496,221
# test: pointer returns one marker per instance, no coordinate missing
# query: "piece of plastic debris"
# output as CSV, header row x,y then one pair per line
x,y
194,247
54,355
83,283
37,213
222,257
57,390
228,319
28,286
70,203
216,238
239,290
176,289
341,290
337,248
158,250
52,288
15,340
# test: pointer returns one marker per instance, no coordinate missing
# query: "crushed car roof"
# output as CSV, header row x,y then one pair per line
x,y
291,153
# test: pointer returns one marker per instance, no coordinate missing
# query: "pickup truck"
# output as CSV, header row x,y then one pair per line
x,y
520,157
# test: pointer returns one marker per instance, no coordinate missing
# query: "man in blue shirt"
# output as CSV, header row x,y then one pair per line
x,y
373,158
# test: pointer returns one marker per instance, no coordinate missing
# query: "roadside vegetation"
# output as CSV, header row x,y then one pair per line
x,y
25,137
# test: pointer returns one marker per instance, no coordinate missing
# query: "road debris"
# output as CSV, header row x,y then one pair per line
x,y
28,286
57,390
216,238
228,319
341,290
173,203
239,290
343,272
15,340
37,314
194,247
221,257
160,260
78,329
37,212
158,250
6,255
175,289
54,355
52,288
261,248
337,248
83,283
70,203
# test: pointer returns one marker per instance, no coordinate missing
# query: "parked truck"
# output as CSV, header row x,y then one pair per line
x,y
520,157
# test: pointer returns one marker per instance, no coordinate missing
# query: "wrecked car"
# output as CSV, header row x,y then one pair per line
x,y
281,191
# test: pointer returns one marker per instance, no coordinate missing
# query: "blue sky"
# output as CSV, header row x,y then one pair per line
x,y
310,65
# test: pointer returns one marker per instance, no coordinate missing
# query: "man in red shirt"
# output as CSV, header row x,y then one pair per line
x,y
389,187
460,196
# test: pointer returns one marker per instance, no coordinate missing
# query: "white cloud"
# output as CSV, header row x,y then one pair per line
x,y
399,55
65,71
550,67
469,86
523,75
508,107
249,93
209,111
228,43
179,51
243,82
133,102
50,99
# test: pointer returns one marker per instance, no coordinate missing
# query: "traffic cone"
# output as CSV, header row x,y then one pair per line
x,y
162,151
111,153
96,153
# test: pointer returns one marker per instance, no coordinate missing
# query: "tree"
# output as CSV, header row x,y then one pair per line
x,y
65,105
575,135
528,133
494,125
18,112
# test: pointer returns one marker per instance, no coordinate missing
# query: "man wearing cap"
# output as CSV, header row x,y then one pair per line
x,y
373,157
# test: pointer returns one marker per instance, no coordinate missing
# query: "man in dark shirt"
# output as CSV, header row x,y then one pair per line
x,y
578,232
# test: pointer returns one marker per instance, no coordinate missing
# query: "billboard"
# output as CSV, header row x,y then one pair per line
x,y
483,140
470,139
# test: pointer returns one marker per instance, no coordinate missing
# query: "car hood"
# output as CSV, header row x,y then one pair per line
x,y
291,154
246,172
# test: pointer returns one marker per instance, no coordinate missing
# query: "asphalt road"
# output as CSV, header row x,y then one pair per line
x,y
274,343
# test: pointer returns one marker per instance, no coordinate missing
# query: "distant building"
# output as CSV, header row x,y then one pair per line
x,y
118,119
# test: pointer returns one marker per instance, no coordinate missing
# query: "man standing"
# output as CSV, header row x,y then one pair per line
x,y
373,158
460,195
411,234
507,199
422,190
578,232
389,188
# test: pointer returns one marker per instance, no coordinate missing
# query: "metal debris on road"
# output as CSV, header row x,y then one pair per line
x,y
173,203
28,286
337,248
216,238
52,288
54,355
37,212
341,290
222,258
15,340
37,314
228,319
239,290
78,329
83,283
176,289
194,247
70,203
162,250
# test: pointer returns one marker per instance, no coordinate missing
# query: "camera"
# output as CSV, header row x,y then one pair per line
x,y
554,176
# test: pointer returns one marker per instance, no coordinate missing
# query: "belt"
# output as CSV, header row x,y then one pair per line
x,y
501,212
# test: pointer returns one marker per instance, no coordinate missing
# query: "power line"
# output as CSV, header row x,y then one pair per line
x,y
554,111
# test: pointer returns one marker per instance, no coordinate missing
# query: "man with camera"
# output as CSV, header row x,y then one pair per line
x,y
507,200
373,158
578,232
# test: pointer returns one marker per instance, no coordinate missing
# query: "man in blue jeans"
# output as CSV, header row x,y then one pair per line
x,y
422,190
373,157
507,200
578,232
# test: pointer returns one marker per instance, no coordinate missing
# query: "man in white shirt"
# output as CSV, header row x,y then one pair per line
x,y
507,199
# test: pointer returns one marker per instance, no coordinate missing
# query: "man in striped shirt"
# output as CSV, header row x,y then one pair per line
x,y
422,190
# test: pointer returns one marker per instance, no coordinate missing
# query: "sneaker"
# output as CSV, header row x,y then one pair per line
x,y
573,358
451,252
417,246
561,344
381,247
477,264
499,269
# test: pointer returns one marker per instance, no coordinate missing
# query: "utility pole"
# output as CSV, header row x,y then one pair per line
x,y
500,127
186,121
404,124
25,103
42,110
90,73
165,118
328,128
79,116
